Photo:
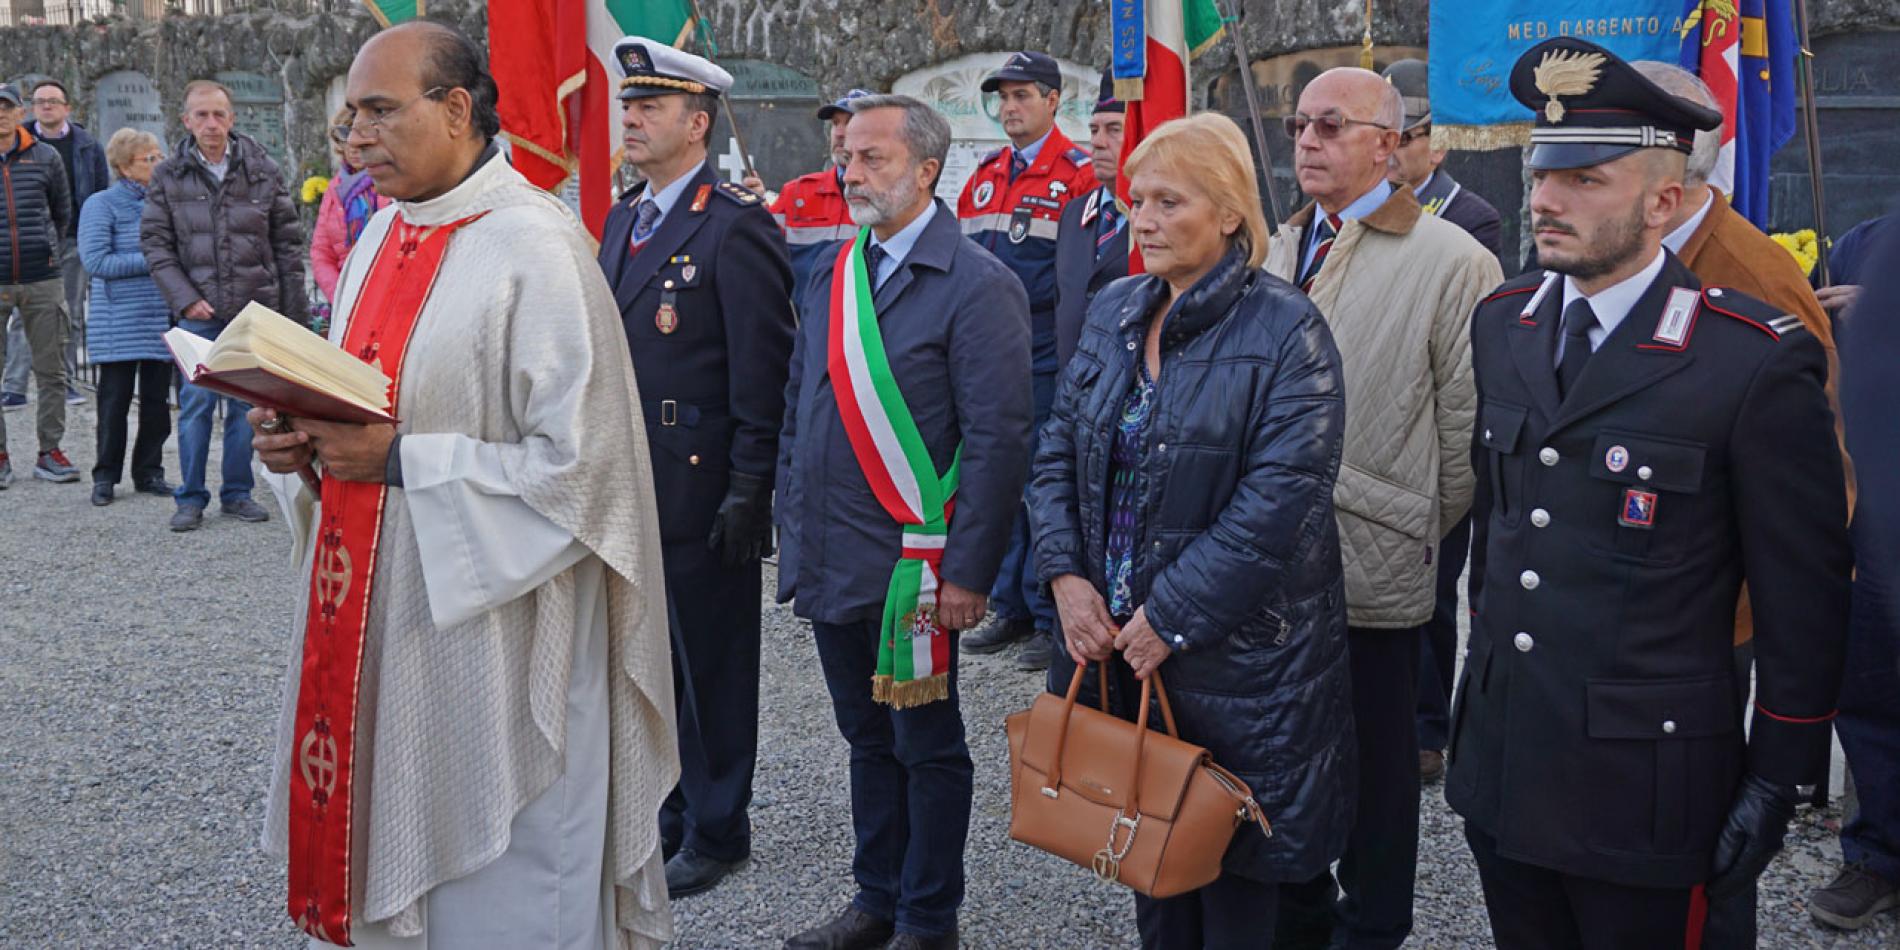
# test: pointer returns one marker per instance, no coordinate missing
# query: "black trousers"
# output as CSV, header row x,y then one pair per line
x,y
1439,662
1536,907
153,379
1381,860
1233,913
716,613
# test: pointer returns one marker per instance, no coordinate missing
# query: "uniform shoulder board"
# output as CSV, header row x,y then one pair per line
x,y
992,156
1754,313
738,193
1524,283
1079,158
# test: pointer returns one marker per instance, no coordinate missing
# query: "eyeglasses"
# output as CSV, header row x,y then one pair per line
x,y
49,102
1329,125
1413,134
373,127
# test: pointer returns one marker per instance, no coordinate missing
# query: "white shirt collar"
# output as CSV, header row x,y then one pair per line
x,y
1612,304
1681,235
901,243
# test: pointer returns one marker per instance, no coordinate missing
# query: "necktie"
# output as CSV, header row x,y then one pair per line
x,y
1327,229
1017,165
1111,225
874,257
1578,319
645,214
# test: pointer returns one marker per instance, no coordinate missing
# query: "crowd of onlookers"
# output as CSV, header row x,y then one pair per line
x,y
116,243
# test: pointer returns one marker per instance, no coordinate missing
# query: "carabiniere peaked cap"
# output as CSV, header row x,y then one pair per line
x,y
652,68
1592,107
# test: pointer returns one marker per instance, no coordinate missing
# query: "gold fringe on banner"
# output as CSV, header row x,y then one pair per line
x,y
1129,90
1365,52
1480,138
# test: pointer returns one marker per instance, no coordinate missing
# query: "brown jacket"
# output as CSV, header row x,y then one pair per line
x,y
1728,251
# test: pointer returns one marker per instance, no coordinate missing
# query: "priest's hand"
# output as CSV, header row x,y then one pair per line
x,y
960,608
353,453
1141,646
281,450
742,528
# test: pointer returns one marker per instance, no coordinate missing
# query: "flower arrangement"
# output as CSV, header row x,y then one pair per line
x,y
1805,247
313,189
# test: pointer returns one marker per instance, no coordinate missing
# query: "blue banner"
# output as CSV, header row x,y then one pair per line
x,y
1128,36
1764,92
1474,44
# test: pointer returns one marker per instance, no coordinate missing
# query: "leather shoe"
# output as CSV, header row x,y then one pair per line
x,y
914,942
851,930
101,494
156,486
689,872
992,637
1037,653
1431,765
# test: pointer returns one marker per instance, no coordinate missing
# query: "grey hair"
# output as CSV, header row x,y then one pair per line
x,y
926,133
1684,84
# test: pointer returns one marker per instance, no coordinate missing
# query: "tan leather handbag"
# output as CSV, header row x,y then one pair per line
x,y
1132,805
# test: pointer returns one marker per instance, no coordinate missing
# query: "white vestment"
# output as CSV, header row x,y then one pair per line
x,y
515,733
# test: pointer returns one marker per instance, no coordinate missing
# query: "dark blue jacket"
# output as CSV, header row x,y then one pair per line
x,y
127,318
36,210
1240,568
955,324
90,174
1080,270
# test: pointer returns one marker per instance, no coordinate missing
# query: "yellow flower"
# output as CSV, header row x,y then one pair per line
x,y
314,187
1803,246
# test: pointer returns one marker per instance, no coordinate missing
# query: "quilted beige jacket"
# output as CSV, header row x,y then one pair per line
x,y
1398,288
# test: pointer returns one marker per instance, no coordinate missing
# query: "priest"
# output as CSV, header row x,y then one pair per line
x,y
478,721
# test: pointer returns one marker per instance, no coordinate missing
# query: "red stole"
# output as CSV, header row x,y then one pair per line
x,y
343,567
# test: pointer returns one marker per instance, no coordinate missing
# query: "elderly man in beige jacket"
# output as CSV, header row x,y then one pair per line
x,y
1398,287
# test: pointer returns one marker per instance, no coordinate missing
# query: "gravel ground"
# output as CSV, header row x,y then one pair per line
x,y
139,679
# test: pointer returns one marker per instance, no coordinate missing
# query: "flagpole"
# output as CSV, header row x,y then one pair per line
x,y
1810,116
732,112
1253,113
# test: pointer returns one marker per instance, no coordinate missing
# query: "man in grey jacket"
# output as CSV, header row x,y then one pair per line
x,y
219,231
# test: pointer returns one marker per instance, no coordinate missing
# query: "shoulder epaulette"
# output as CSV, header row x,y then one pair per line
x,y
1524,283
992,155
737,193
1745,309
1079,157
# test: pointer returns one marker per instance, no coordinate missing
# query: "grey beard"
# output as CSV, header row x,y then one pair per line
x,y
879,207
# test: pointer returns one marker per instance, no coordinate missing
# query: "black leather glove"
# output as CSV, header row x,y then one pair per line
x,y
742,527
1757,823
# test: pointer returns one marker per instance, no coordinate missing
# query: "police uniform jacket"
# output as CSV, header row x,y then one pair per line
x,y
812,212
1017,221
1596,726
1080,269
707,309
956,331
1445,197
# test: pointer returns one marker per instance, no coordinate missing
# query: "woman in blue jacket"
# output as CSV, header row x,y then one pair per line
x,y
126,325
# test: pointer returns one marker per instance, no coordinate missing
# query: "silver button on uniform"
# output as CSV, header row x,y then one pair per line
x,y
1540,518
1523,642
1529,579
1645,472
1547,455
1669,726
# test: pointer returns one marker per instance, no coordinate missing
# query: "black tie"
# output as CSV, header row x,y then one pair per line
x,y
1578,319
874,255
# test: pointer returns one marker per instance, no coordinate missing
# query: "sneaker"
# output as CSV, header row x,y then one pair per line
x,y
244,509
54,467
101,494
187,518
73,397
992,637
1853,898
12,401
6,471
1037,653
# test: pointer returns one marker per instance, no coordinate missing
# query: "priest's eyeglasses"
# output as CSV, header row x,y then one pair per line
x,y
372,126
1329,125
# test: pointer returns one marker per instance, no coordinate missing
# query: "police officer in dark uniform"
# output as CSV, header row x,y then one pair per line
x,y
700,272
1092,238
1644,445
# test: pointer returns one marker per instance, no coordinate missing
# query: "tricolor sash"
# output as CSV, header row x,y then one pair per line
x,y
342,569
913,651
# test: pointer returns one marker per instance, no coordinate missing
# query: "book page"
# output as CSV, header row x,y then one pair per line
x,y
261,338
189,350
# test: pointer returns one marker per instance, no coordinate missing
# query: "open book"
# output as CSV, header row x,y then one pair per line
x,y
265,359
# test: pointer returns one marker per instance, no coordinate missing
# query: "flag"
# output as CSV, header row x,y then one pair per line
x,y
553,63
1154,40
388,13
1744,50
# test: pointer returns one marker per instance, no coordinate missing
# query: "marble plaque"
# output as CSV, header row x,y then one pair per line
x,y
953,88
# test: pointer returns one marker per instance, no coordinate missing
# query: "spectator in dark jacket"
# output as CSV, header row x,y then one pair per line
x,y
1183,505
85,164
219,232
125,334
37,210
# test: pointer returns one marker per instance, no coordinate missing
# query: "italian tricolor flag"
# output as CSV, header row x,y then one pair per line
x,y
553,61
1154,42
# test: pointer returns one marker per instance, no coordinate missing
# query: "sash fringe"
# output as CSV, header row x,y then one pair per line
x,y
1130,90
910,694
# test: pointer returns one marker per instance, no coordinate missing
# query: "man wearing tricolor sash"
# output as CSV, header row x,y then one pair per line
x,y
901,465
478,721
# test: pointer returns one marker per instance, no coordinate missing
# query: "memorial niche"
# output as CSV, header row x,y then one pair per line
x,y
257,103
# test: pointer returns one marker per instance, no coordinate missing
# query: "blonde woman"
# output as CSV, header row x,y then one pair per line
x,y
1183,505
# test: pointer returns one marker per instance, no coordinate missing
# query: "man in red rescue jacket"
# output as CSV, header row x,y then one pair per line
x,y
1011,206
811,209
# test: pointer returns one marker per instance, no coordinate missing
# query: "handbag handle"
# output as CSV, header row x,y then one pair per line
x,y
1150,687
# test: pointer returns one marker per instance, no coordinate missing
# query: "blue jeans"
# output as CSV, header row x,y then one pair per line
x,y
1016,595
1869,720
195,405
911,783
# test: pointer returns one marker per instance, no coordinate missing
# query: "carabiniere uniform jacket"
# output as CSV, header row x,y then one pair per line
x,y
1597,731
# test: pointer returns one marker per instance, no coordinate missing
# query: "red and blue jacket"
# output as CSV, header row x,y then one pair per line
x,y
1017,220
811,211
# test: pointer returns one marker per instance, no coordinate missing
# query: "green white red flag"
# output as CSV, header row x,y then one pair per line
x,y
1154,41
